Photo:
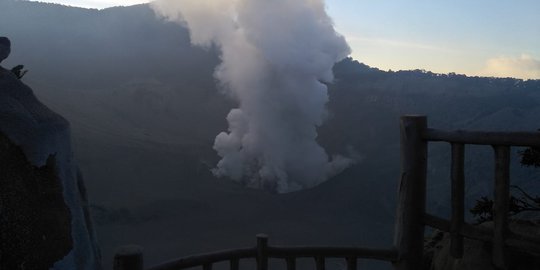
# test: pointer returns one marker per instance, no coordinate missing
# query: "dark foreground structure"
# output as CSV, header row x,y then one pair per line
x,y
45,222
411,218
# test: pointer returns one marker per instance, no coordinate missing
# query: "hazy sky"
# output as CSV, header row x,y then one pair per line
x,y
480,37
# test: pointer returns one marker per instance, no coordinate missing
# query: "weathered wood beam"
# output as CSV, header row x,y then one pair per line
x,y
501,204
320,263
291,263
458,199
352,263
197,260
234,264
409,234
483,138
262,252
332,252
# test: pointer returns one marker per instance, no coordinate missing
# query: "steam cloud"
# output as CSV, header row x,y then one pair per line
x,y
274,56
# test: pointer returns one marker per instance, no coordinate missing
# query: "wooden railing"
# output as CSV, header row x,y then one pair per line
x,y
131,258
411,216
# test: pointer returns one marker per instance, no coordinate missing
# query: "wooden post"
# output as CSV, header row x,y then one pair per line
x,y
352,263
128,258
458,200
501,204
291,263
262,252
234,264
409,230
207,266
320,263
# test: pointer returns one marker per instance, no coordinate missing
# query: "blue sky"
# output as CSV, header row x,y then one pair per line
x,y
471,37
479,37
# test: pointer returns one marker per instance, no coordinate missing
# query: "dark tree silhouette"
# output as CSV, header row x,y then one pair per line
x,y
18,71
530,157
521,201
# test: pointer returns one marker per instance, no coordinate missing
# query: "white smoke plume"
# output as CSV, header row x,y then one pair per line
x,y
274,54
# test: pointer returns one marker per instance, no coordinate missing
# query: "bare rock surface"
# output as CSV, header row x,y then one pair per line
x,y
44,220
35,230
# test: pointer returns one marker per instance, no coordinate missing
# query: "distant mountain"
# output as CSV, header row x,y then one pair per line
x,y
144,110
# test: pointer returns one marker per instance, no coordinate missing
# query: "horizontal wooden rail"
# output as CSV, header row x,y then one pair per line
x,y
389,255
523,242
467,230
333,252
290,254
517,241
483,137
201,259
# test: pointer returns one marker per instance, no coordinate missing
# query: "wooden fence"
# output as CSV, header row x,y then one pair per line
x,y
411,216
130,258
